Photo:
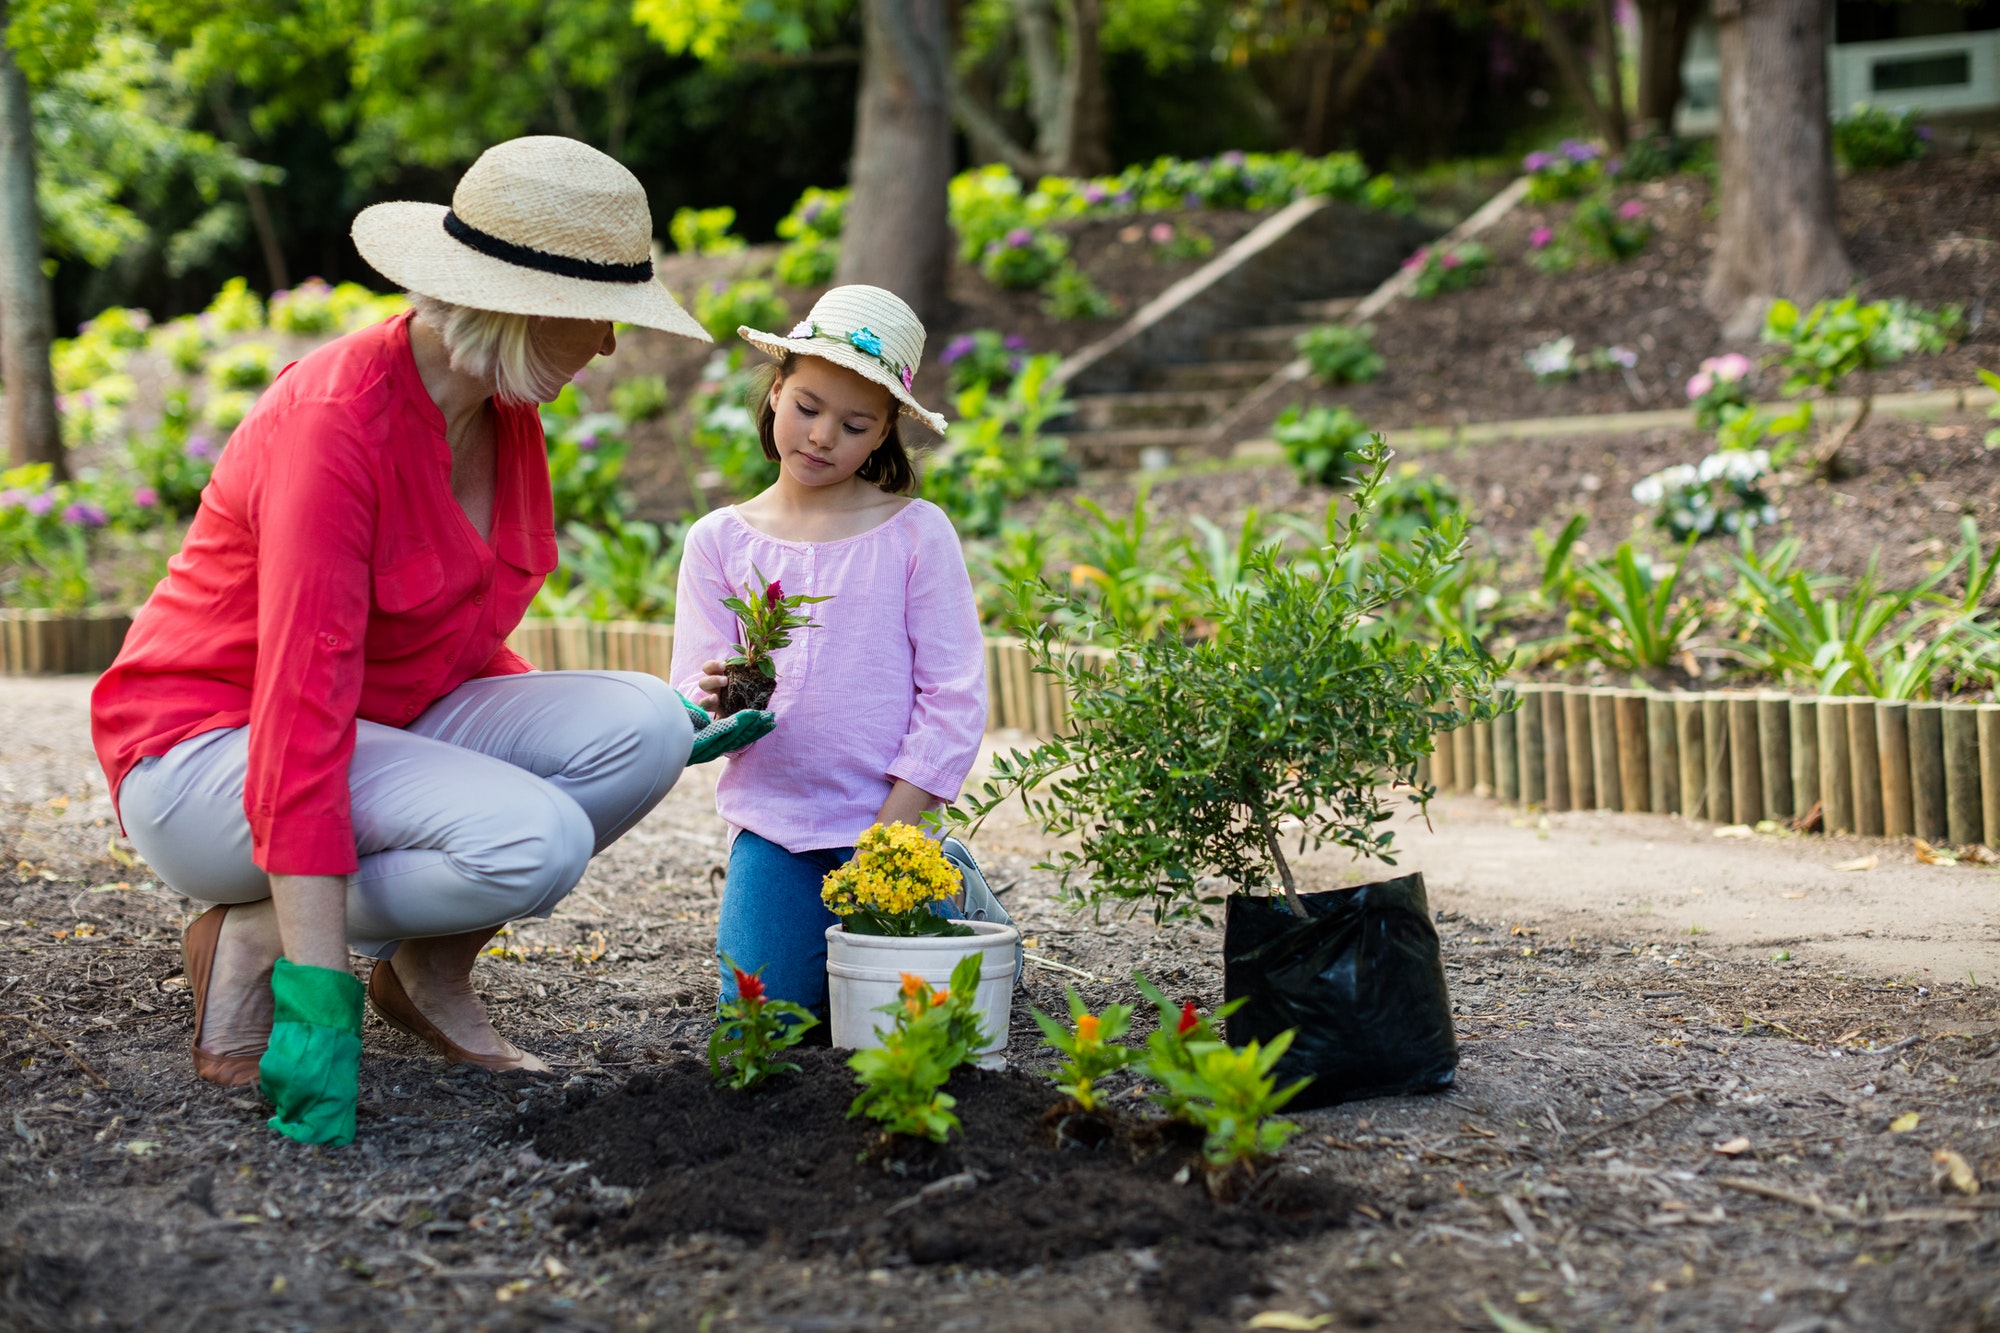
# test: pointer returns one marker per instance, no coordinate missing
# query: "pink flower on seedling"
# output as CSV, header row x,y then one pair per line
x,y
1700,384
1631,210
1189,1018
774,592
1728,369
1451,260
1540,237
749,988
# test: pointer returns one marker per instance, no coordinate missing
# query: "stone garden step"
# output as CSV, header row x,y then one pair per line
x,y
1235,376
1269,342
1329,311
1174,407
1136,447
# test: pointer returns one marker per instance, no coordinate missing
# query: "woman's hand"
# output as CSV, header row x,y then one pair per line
x,y
711,683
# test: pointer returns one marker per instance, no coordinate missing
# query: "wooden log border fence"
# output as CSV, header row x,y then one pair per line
x,y
1876,767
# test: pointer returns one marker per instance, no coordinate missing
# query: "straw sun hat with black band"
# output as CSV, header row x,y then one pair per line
x,y
537,226
869,331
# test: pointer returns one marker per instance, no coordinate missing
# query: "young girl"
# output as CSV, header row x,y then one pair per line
x,y
880,707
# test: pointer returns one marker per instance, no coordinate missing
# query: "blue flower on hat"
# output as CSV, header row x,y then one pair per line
x,y
867,340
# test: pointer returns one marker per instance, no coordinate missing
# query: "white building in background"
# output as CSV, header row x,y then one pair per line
x,y
1928,56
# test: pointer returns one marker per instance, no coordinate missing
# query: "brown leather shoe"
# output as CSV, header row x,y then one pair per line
x,y
231,1069
393,1003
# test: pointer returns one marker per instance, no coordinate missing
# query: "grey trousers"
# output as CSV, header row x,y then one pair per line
x,y
485,809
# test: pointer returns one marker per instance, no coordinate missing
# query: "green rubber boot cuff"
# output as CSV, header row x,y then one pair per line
x,y
311,1070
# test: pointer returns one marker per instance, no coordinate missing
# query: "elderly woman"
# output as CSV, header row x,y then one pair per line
x,y
315,722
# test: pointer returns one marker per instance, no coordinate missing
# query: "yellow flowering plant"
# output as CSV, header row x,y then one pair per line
x,y
891,885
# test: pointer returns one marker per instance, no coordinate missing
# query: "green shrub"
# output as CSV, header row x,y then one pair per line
x,y
996,450
704,231
722,309
725,433
586,460
1089,1047
1186,754
1573,168
235,309
812,233
1341,353
930,1035
1611,234
306,308
225,409
184,343
1072,295
1022,257
624,570
1179,244
641,398
1657,156
983,357
244,366
1822,346
1871,137
1446,268
1324,445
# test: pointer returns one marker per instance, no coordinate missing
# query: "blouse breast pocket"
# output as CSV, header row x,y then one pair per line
x,y
530,550
409,584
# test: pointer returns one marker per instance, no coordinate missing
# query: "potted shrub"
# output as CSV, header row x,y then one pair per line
x,y
765,619
886,898
1296,717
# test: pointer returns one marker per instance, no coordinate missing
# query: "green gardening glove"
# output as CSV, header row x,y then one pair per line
x,y
715,737
311,1070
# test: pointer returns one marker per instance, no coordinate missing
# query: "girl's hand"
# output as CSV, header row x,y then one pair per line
x,y
711,682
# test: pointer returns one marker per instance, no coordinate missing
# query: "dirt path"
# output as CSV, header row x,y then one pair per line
x,y
1651,1130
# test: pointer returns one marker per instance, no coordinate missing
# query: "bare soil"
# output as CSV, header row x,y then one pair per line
x,y
1923,231
1652,1129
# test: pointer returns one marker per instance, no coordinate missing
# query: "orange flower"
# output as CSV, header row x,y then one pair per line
x,y
913,985
1086,1028
938,997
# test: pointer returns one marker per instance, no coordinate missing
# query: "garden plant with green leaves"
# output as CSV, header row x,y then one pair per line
x,y
1185,754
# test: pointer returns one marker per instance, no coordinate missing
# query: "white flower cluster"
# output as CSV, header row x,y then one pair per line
x,y
1721,492
1552,360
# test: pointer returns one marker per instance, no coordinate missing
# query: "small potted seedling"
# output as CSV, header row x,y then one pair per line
x,y
765,620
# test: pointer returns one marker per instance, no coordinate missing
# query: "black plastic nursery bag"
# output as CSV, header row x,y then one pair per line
x,y
1360,981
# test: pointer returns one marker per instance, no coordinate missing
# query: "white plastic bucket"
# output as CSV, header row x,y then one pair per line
x,y
865,972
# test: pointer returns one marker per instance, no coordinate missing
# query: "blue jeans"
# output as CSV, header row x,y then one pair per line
x,y
772,918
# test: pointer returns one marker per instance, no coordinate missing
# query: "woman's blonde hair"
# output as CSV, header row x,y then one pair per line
x,y
493,346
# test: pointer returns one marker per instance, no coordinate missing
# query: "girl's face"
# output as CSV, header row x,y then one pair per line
x,y
826,420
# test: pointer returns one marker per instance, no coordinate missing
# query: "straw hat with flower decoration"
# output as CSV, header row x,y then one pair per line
x,y
537,226
869,331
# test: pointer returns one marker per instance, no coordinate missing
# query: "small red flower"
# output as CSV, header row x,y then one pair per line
x,y
749,989
774,592
1189,1017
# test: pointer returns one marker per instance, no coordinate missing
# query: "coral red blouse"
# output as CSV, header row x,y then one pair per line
x,y
329,575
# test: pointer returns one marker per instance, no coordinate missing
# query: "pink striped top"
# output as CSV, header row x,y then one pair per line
x,y
890,684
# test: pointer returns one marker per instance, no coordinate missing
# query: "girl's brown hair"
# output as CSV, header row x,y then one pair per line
x,y
889,467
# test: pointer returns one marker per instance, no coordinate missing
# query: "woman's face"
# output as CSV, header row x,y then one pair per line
x,y
568,345
826,421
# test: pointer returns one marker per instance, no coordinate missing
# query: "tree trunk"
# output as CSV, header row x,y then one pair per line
x,y
1575,72
253,191
1664,27
1616,133
27,312
1776,235
1085,140
896,234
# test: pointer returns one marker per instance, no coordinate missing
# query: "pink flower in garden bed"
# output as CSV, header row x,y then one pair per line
x,y
1540,237
1631,210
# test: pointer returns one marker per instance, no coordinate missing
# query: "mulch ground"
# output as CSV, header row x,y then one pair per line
x,y
1645,1135
1924,231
